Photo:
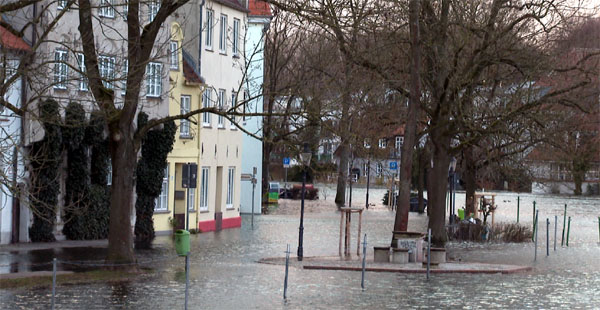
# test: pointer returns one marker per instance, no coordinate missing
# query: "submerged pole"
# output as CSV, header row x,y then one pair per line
x,y
53,281
555,229
568,230
364,263
562,239
287,262
547,237
535,237
599,229
518,207
535,222
187,278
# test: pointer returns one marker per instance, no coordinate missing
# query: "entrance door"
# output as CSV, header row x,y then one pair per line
x,y
219,199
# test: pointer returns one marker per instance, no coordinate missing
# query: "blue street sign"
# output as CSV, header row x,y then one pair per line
x,y
286,162
393,165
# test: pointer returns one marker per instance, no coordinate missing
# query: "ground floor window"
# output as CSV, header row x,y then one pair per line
x,y
191,199
230,187
163,199
204,188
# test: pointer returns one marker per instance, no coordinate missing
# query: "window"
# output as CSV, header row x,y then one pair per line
x,y
125,9
399,141
206,104
109,174
230,184
246,96
153,7
221,107
83,83
209,29
204,189
184,125
106,65
174,55
61,70
382,143
223,34
379,169
154,79
163,199
233,106
124,78
106,9
236,34
191,199
61,4
367,143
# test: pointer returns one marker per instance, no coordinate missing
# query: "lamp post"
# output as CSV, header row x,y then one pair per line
x,y
305,159
452,200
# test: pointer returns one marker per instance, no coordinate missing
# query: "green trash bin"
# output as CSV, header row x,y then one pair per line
x,y
461,214
182,242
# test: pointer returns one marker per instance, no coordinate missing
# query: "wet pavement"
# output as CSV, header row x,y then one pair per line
x,y
225,273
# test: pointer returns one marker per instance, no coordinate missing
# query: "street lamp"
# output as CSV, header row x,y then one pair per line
x,y
305,159
452,170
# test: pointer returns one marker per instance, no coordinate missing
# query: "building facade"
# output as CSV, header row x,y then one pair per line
x,y
258,22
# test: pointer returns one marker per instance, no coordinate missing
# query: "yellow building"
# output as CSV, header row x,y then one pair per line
x,y
216,150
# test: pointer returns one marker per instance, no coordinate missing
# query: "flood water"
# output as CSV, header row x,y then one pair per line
x,y
224,273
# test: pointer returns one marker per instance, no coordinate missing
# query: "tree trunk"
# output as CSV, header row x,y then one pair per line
x,y
410,128
340,194
124,157
436,194
470,178
421,179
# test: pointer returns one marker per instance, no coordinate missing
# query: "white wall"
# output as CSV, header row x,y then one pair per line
x,y
10,126
252,148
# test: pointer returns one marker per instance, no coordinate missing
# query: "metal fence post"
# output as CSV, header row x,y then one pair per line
x,y
364,262
287,262
568,230
187,278
555,229
518,207
535,236
562,240
547,237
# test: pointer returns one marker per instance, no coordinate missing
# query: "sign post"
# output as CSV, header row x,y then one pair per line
x,y
392,196
286,165
188,180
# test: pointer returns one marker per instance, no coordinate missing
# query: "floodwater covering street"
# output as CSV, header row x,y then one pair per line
x,y
225,275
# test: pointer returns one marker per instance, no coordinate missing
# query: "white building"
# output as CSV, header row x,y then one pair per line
x,y
13,216
258,21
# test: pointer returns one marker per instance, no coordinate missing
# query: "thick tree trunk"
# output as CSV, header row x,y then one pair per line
x,y
120,237
470,178
436,194
410,128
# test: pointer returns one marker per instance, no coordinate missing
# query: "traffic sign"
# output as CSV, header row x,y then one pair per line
x,y
393,165
286,162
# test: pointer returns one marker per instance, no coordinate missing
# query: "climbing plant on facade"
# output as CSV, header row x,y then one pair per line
x,y
156,145
45,163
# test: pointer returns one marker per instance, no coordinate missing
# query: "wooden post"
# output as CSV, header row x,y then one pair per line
x,y
341,229
347,245
359,224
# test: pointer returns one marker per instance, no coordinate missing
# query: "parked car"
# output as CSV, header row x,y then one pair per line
x,y
295,192
414,204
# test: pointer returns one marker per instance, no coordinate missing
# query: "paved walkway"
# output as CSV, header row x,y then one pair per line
x,y
30,246
355,264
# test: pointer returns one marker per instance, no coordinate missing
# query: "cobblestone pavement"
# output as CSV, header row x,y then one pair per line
x,y
225,273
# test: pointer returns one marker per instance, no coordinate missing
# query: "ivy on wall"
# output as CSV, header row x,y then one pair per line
x,y
87,205
77,182
45,163
156,145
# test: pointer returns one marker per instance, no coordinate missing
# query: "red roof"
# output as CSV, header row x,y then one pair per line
x,y
259,8
11,41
